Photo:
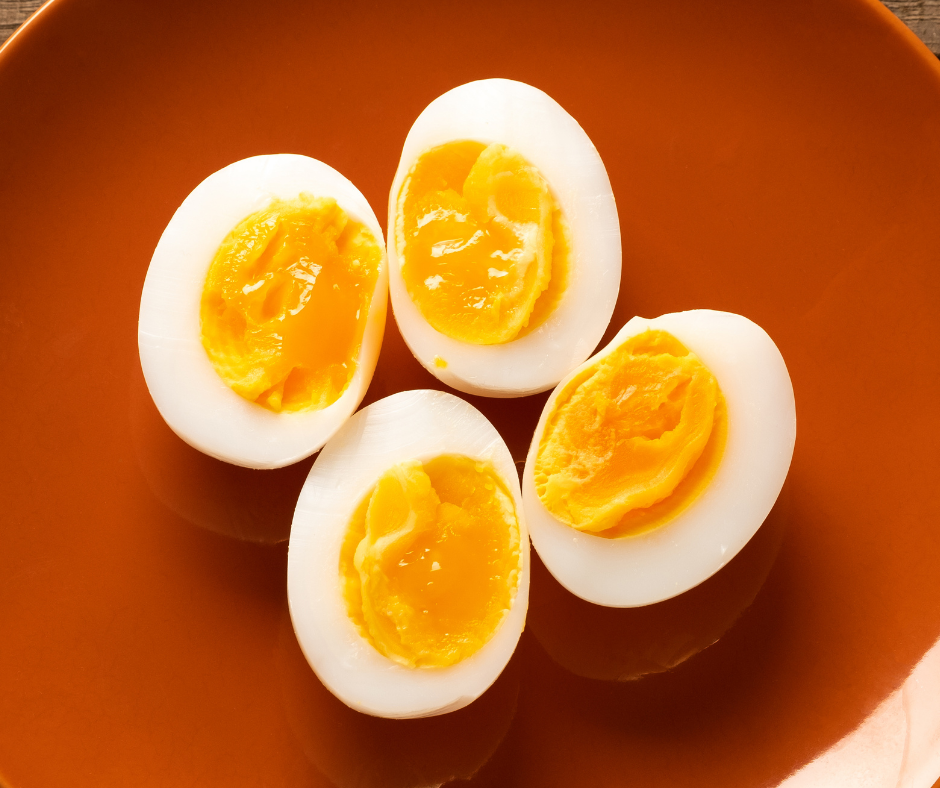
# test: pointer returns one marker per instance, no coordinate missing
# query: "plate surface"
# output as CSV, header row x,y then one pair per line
x,y
776,159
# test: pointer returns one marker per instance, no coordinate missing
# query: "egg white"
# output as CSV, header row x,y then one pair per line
x,y
662,563
195,402
409,425
524,118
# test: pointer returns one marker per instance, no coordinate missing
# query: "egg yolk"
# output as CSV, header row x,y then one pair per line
x,y
286,301
484,246
431,560
633,439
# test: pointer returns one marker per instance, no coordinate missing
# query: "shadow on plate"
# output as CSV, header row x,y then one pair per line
x,y
625,644
355,750
244,504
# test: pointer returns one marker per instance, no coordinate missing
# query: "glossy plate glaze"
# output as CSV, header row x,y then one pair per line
x,y
776,159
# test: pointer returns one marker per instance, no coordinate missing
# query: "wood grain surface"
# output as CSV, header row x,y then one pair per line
x,y
13,13
921,16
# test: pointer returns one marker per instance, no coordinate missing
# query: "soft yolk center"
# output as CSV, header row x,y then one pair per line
x,y
633,439
285,303
431,560
484,245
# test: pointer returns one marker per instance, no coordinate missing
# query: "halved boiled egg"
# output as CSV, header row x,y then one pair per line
x,y
656,461
504,241
263,310
408,567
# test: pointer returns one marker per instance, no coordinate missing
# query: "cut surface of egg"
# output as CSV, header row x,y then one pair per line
x,y
504,241
408,566
657,460
263,310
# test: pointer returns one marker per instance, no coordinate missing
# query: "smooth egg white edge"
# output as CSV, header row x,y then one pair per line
x,y
408,425
193,400
651,567
504,111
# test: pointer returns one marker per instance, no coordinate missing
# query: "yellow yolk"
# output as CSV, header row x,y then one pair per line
x,y
633,439
484,246
286,301
431,560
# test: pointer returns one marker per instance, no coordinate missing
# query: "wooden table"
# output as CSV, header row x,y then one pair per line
x,y
13,13
921,16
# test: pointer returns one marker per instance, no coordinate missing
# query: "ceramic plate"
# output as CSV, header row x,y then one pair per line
x,y
778,159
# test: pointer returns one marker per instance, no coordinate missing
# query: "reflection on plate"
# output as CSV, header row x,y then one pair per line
x,y
245,504
625,644
358,751
897,746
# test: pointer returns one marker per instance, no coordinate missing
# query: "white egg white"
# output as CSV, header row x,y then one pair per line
x,y
192,398
524,118
409,425
650,567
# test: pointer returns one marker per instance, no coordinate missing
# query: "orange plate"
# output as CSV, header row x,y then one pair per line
x,y
780,159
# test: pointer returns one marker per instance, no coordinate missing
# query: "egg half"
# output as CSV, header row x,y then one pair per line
x,y
402,639
261,316
657,460
504,242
